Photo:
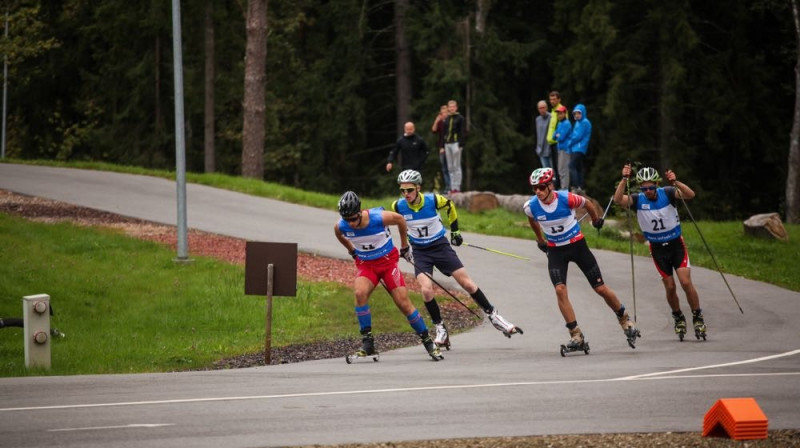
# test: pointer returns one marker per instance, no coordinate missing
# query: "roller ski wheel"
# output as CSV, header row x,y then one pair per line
x,y
442,337
361,355
569,349
700,334
445,344
681,335
632,334
514,330
680,326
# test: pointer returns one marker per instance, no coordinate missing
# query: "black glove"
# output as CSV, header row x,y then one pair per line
x,y
455,238
353,254
405,252
542,246
598,223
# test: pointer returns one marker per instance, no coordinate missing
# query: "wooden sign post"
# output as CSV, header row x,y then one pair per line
x,y
270,269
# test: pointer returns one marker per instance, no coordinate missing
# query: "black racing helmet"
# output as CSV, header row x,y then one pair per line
x,y
349,204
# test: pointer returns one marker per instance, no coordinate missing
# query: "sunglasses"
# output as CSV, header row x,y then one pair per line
x,y
353,218
540,187
407,190
650,188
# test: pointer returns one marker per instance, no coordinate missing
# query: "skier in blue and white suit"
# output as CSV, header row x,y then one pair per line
x,y
427,236
658,218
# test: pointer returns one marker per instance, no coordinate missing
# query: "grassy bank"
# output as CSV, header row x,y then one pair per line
x,y
126,306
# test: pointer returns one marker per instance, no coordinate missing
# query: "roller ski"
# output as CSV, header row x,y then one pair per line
x,y
576,343
680,326
430,347
366,351
506,327
699,325
631,332
442,338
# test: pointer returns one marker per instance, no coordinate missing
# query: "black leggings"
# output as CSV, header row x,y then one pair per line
x,y
558,258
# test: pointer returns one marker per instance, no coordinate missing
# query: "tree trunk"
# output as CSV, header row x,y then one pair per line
x,y
159,124
792,184
253,132
209,90
403,65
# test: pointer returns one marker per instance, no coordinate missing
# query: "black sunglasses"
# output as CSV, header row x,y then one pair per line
x,y
408,190
540,187
650,188
353,218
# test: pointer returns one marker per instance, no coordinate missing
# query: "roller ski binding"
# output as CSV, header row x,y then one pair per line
x,y
442,338
631,332
576,343
430,347
699,325
503,325
367,349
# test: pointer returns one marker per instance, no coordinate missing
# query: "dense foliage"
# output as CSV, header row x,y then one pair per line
x,y
705,88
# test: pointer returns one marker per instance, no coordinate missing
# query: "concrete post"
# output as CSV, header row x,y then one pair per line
x,y
36,317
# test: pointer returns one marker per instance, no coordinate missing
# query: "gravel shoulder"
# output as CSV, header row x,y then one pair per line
x,y
314,268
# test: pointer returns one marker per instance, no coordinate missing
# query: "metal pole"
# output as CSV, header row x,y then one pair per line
x,y
5,92
268,326
180,145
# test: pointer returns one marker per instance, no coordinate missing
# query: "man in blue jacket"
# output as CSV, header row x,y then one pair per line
x,y
578,146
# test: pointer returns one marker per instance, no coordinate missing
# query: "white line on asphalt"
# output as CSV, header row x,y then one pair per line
x,y
94,428
728,364
648,376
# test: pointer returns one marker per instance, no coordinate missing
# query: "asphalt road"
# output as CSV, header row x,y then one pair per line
x,y
488,385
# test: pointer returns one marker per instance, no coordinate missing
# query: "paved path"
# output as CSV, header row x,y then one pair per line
x,y
487,385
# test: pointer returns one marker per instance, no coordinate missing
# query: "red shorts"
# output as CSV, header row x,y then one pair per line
x,y
382,269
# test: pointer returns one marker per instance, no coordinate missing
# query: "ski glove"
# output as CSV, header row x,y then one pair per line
x,y
405,252
542,246
455,238
598,223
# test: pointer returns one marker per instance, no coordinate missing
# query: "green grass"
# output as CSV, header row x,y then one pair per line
x,y
769,261
126,306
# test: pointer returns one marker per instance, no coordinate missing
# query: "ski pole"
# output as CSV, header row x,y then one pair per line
x,y
630,228
708,248
445,290
497,251
610,200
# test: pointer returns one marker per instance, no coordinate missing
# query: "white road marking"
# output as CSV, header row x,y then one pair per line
x,y
94,428
665,375
728,364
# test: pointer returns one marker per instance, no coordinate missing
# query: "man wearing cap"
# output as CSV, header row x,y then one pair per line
x,y
562,137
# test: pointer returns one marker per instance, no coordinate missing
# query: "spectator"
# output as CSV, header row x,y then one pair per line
x,y
455,132
412,149
562,136
578,147
438,129
542,126
555,100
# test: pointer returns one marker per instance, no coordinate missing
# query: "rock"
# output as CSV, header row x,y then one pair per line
x,y
766,225
475,201
513,202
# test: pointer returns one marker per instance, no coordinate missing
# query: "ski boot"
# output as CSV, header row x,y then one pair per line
x,y
430,346
680,325
503,325
699,325
576,343
631,332
367,349
442,338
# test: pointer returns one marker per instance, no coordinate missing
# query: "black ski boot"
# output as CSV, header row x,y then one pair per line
x,y
699,324
430,346
367,349
680,325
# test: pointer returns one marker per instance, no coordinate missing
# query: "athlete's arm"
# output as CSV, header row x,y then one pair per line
x,y
344,241
392,218
452,215
683,190
537,230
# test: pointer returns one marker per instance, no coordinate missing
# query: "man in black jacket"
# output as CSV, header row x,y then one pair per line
x,y
413,150
455,132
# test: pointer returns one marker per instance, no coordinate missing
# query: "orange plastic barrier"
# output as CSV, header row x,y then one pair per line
x,y
737,418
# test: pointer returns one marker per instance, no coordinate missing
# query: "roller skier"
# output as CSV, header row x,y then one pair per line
x,y
366,236
551,216
431,249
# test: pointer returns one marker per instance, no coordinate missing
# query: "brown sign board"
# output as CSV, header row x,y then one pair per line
x,y
282,257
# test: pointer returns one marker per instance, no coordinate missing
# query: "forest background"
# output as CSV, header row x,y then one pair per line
x,y
706,89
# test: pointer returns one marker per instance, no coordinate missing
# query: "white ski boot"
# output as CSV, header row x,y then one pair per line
x,y
503,325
